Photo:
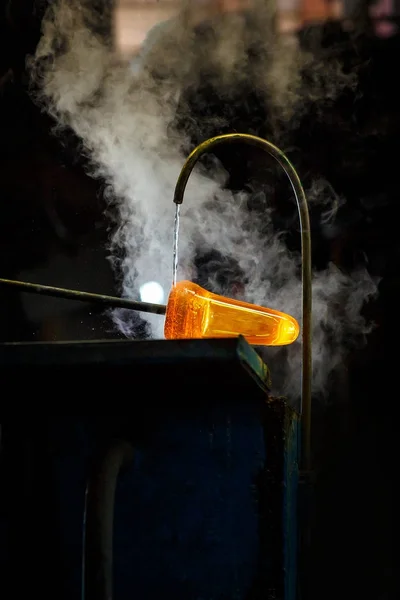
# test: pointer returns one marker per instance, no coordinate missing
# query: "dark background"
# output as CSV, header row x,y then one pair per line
x,y
53,230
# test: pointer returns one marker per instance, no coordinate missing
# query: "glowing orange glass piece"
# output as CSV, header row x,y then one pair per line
x,y
193,312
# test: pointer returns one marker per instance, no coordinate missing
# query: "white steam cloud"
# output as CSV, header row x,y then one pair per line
x,y
123,114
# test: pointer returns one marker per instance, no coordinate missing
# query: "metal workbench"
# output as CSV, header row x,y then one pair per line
x,y
207,506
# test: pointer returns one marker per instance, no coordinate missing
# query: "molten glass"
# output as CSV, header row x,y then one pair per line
x,y
193,312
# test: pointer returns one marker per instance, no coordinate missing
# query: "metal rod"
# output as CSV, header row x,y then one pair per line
x,y
110,301
98,523
306,260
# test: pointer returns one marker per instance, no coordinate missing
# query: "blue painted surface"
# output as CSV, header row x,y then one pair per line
x,y
187,517
256,367
73,446
291,477
186,523
186,520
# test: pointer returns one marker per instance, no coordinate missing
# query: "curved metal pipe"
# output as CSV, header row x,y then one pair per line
x,y
306,259
97,568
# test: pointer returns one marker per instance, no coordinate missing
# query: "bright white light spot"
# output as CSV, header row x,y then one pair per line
x,y
152,292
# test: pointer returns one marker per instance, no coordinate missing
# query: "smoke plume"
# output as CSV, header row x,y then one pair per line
x,y
123,112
